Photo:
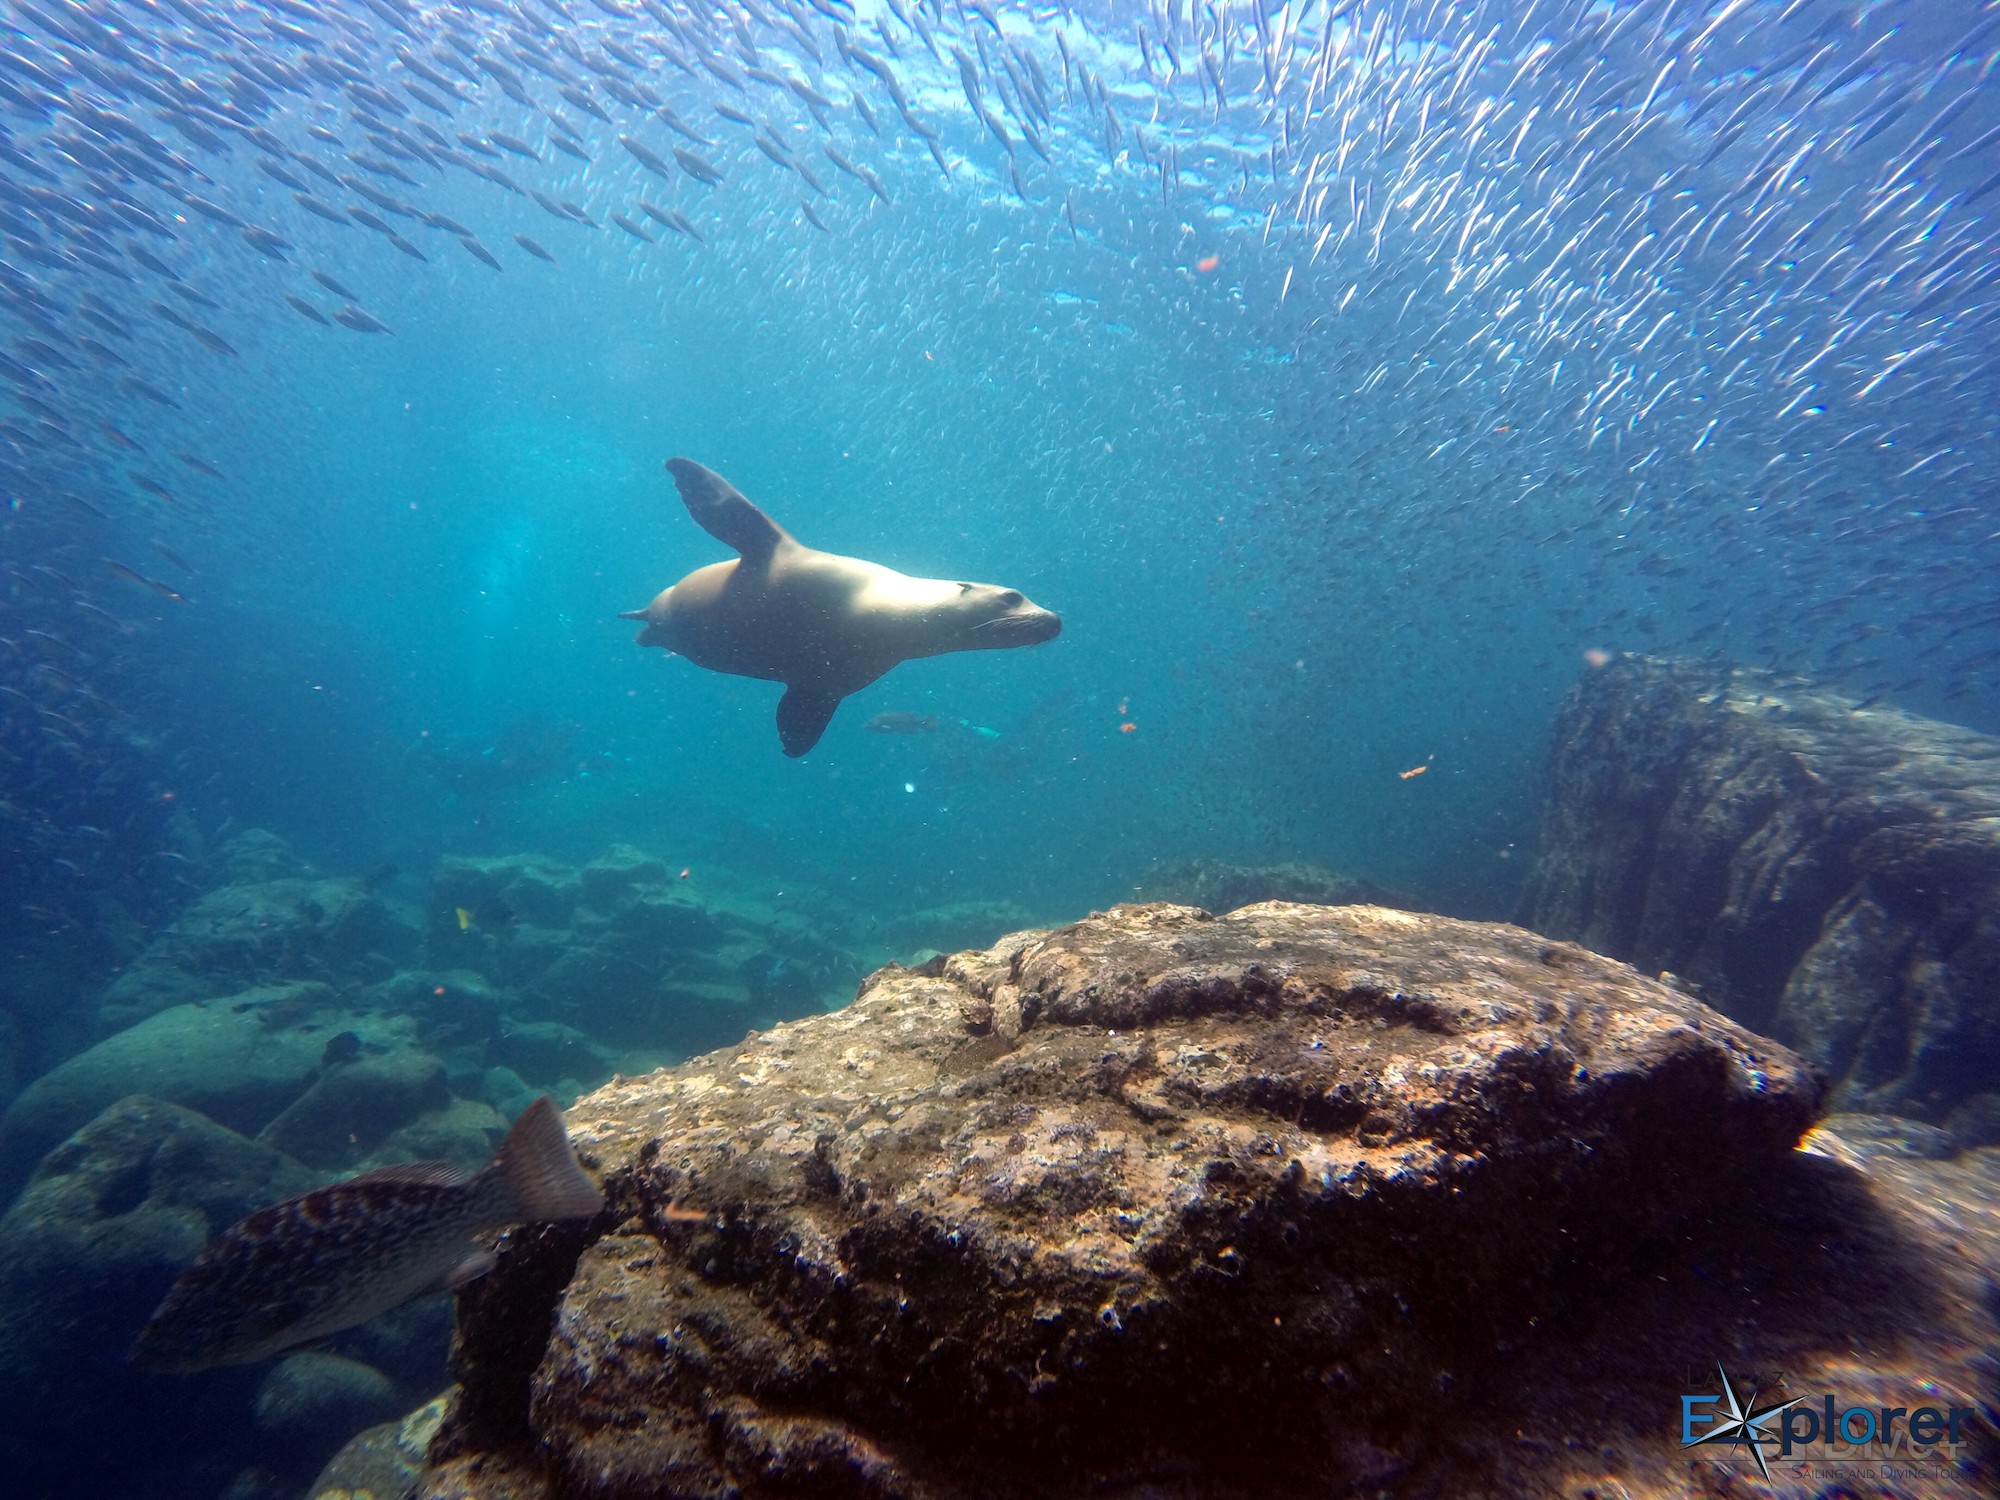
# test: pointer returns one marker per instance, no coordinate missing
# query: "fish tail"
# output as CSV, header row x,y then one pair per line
x,y
541,1170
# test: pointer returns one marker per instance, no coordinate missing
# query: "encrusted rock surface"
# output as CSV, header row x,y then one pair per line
x,y
1155,1204
1825,874
383,1462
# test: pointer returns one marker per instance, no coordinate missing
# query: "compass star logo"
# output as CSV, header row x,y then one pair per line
x,y
1741,1423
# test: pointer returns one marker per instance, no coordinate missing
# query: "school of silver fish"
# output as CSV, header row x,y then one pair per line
x,y
1699,297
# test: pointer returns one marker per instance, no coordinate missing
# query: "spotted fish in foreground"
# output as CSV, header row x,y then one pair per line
x,y
340,1255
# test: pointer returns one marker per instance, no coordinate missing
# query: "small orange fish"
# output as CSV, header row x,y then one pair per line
x,y
1414,771
689,870
1127,727
1596,656
1207,263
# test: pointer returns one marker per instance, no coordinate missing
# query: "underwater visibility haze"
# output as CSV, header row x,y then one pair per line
x,y
1354,379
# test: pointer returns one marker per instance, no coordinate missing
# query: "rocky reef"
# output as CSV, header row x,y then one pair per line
x,y
1296,1200
288,1026
111,1215
1825,873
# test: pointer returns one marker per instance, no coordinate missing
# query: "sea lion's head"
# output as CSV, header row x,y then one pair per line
x,y
658,620
986,617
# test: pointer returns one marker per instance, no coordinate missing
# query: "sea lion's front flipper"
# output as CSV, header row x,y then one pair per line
x,y
721,510
802,718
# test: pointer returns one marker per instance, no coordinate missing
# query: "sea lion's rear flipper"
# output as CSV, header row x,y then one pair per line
x,y
802,718
721,510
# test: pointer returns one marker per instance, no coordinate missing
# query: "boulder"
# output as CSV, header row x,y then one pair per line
x,y
242,935
311,1403
1826,873
461,1004
383,1463
546,1051
464,1132
239,1060
507,1091
354,1105
620,875
621,949
518,888
110,1218
1156,1203
253,856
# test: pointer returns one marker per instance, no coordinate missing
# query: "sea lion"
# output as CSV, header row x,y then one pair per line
x,y
823,625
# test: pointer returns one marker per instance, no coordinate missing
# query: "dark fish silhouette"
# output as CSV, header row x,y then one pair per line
x,y
360,321
338,1256
342,1047
901,721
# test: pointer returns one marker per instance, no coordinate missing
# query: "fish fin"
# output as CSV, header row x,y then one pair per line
x,y
721,510
413,1173
477,1263
802,718
542,1170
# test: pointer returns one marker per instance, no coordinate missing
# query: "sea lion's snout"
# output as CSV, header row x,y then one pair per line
x,y
1021,622
655,633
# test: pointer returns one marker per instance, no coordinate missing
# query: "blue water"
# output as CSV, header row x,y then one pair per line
x,y
1327,487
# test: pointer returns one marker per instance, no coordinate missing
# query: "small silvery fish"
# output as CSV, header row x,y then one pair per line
x,y
340,1255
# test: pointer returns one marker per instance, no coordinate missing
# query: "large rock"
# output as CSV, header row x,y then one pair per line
x,y
310,1403
624,950
493,892
337,931
239,1060
1157,1203
353,1106
111,1217
384,1462
1826,874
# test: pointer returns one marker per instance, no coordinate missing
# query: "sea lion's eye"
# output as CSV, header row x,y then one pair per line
x,y
965,588
1012,597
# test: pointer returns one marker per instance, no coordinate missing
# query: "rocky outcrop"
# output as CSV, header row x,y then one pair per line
x,y
383,1462
1156,1203
333,931
1824,873
240,1060
624,950
112,1216
310,1403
